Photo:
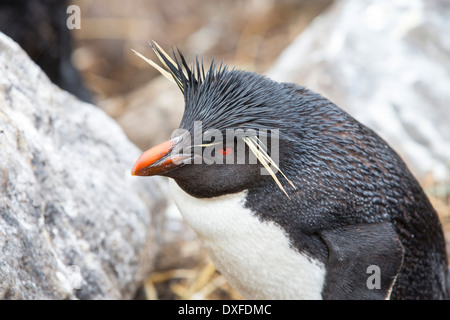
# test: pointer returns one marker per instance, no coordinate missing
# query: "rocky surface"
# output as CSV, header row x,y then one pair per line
x,y
387,62
74,224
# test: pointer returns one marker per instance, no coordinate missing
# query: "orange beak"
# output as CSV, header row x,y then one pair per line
x,y
157,160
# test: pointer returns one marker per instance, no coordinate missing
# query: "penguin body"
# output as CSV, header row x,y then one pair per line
x,y
243,248
344,203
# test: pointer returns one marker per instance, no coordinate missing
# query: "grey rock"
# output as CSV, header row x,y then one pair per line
x,y
74,223
386,62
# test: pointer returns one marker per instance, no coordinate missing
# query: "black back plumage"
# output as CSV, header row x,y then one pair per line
x,y
347,175
344,173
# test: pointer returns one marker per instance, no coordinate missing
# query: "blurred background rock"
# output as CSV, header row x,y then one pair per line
x,y
387,62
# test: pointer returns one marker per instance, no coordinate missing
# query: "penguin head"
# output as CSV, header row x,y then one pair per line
x,y
229,137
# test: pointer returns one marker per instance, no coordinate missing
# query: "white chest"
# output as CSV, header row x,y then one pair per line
x,y
255,256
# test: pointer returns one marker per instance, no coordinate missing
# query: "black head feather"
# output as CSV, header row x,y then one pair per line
x,y
224,98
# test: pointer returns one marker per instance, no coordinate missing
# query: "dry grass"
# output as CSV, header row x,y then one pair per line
x,y
202,283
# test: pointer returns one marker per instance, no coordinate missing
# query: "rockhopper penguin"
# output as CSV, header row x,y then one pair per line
x,y
338,216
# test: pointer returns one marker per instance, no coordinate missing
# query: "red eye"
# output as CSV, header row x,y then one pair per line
x,y
225,151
